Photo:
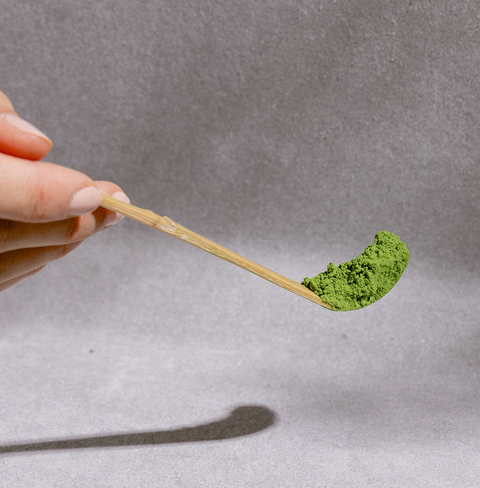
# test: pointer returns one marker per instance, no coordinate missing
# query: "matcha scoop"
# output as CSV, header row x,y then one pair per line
x,y
309,291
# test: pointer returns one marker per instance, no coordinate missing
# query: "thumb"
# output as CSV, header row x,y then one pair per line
x,y
18,137
44,192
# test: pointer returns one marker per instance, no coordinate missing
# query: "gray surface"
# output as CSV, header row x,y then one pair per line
x,y
290,132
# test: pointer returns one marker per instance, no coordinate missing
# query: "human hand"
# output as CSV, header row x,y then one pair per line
x,y
46,210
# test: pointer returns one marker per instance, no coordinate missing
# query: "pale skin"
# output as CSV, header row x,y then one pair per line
x,y
40,221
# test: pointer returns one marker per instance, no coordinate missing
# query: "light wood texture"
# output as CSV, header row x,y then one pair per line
x,y
176,230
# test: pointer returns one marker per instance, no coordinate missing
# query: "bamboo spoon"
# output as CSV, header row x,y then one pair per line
x,y
176,230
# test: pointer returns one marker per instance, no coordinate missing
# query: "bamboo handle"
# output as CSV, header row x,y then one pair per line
x,y
176,230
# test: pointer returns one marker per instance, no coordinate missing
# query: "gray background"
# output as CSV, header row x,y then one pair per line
x,y
291,132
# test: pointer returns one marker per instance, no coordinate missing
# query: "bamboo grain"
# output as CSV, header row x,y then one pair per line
x,y
170,227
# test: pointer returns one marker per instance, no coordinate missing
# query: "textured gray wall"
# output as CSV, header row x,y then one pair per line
x,y
290,131
319,122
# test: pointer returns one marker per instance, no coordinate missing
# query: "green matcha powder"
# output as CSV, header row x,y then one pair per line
x,y
363,280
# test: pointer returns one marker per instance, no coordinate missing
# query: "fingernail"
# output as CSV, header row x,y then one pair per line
x,y
24,126
84,201
116,217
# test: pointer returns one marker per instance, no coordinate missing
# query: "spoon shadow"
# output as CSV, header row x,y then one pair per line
x,y
242,421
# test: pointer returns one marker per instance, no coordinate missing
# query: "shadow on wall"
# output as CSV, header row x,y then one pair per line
x,y
242,421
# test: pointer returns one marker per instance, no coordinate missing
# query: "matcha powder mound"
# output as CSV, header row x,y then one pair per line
x,y
363,280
